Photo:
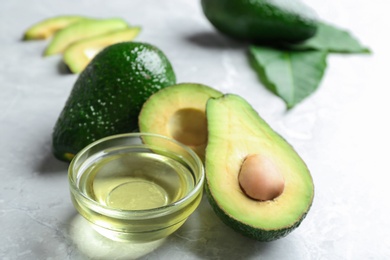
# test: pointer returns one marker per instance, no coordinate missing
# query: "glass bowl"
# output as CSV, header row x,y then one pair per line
x,y
136,187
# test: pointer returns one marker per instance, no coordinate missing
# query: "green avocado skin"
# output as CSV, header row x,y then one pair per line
x,y
108,95
247,230
261,21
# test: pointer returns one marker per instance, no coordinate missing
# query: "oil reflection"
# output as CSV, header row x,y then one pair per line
x,y
95,246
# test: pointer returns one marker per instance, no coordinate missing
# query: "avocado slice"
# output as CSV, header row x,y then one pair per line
x,y
236,133
179,112
80,30
47,27
108,95
262,21
77,55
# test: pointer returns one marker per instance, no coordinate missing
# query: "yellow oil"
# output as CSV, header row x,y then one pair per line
x,y
136,181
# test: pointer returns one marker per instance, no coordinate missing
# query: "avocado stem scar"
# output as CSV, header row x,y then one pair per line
x,y
260,179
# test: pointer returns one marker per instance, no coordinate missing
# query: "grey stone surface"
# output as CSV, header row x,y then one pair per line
x,y
341,131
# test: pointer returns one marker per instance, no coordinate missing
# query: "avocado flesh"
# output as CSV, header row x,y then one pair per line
x,y
108,95
236,131
179,112
81,30
77,55
261,21
46,28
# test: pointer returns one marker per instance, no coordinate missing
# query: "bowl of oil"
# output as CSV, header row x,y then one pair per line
x,y
136,187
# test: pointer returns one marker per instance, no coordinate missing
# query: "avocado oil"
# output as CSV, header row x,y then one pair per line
x,y
136,181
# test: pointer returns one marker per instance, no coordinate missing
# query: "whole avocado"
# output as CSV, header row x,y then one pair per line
x,y
108,95
261,21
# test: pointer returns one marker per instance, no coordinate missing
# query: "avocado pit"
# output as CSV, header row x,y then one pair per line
x,y
260,179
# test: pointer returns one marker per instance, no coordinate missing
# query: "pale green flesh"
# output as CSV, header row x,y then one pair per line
x,y
46,28
178,112
81,30
78,55
235,131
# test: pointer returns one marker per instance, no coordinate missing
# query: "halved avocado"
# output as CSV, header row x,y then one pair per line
x,y
81,30
80,53
236,133
47,27
178,112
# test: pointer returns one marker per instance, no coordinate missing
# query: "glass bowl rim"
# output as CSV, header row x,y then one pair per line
x,y
136,214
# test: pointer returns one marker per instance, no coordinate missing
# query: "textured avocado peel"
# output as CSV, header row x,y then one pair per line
x,y
107,96
262,21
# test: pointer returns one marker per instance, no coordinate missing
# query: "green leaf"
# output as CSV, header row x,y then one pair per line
x,y
332,39
291,75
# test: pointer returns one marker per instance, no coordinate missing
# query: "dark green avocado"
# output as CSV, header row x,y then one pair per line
x,y
108,95
261,21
